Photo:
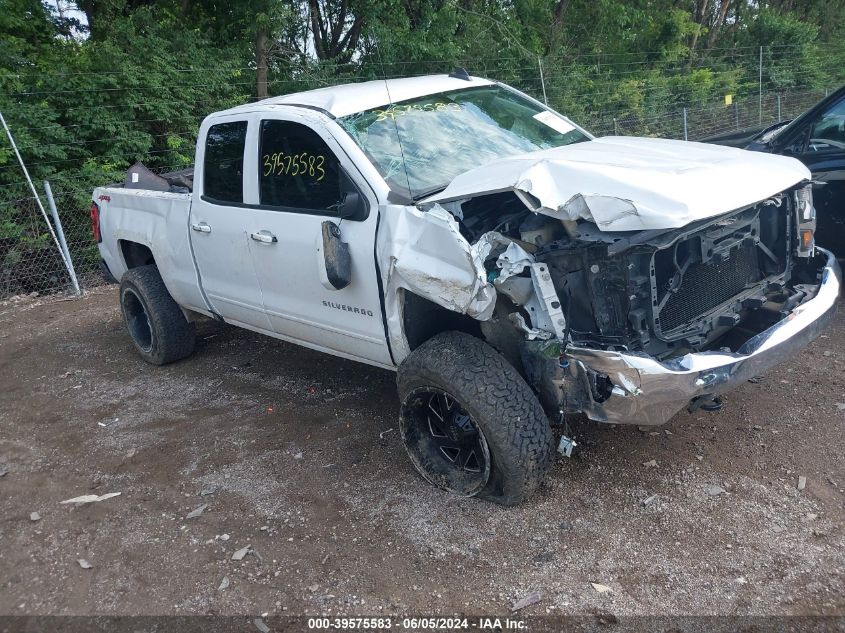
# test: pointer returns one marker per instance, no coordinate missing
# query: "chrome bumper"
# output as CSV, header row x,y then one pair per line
x,y
647,391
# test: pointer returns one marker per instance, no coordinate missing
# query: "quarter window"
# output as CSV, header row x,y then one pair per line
x,y
829,130
223,169
296,168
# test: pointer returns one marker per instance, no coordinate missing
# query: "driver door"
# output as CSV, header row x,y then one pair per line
x,y
303,176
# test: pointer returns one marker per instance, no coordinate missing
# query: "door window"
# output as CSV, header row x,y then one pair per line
x,y
829,129
223,168
297,169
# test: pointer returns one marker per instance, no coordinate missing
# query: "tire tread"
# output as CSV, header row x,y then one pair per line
x,y
174,337
513,421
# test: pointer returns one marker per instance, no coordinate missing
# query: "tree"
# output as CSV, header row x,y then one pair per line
x,y
335,28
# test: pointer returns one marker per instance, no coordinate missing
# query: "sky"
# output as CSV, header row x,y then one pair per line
x,y
67,8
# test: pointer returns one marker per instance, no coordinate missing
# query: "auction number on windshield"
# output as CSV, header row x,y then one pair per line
x,y
304,164
395,111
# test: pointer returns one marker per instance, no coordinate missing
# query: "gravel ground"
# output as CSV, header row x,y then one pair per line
x,y
297,455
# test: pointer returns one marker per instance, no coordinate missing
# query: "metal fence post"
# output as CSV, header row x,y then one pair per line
x,y
62,242
35,195
779,117
736,114
686,136
542,80
615,131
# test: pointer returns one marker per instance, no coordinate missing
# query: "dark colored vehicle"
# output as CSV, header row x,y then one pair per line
x,y
817,139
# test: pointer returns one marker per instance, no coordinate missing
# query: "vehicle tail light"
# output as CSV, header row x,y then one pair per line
x,y
95,222
805,218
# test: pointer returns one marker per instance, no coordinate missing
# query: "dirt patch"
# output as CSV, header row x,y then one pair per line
x,y
299,457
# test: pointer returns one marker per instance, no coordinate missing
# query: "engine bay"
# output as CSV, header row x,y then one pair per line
x,y
660,292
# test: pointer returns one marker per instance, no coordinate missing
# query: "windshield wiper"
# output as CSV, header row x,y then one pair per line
x,y
428,192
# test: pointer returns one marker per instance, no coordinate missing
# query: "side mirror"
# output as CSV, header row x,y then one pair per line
x,y
336,258
795,145
351,207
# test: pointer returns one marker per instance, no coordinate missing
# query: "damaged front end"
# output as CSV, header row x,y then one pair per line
x,y
626,326
738,340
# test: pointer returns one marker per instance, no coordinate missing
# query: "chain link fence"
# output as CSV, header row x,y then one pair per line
x,y
30,262
701,121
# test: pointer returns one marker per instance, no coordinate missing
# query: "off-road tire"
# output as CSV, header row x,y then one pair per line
x,y
156,324
499,402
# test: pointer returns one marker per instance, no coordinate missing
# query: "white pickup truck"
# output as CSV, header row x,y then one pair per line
x,y
509,266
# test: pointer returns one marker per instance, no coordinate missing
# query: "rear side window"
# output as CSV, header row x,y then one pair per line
x,y
296,168
223,170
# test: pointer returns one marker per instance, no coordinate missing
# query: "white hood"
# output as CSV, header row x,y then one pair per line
x,y
629,183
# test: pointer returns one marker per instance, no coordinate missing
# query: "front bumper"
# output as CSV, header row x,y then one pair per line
x,y
646,391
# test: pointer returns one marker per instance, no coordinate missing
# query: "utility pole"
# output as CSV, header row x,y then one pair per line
x,y
261,46
760,108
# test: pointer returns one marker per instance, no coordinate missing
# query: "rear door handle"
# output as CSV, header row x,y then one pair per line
x,y
265,237
201,227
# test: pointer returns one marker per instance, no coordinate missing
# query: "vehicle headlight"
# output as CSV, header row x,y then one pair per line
x,y
805,219
804,202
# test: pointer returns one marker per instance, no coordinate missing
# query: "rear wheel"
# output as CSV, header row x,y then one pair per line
x,y
156,324
470,423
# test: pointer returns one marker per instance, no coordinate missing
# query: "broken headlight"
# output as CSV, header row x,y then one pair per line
x,y
805,220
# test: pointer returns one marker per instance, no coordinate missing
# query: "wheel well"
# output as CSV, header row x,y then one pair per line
x,y
423,319
135,254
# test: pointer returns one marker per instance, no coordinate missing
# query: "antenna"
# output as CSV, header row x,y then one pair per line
x,y
395,124
460,73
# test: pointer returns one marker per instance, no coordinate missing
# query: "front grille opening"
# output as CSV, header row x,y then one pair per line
x,y
706,286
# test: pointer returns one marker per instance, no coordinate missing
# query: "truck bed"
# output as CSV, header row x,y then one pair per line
x,y
154,217
139,176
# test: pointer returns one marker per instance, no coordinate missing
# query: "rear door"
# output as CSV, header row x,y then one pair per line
x,y
220,224
302,175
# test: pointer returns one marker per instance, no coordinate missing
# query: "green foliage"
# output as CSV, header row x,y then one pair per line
x,y
792,61
82,110
135,78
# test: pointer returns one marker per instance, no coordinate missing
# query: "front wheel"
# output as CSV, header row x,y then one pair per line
x,y
470,423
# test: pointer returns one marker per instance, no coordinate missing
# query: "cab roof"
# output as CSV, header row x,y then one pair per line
x,y
350,98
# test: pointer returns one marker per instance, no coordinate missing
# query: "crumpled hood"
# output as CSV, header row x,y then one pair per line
x,y
630,183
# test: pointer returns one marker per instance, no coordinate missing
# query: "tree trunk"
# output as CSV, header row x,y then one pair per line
x,y
261,41
89,8
699,18
317,28
717,25
560,12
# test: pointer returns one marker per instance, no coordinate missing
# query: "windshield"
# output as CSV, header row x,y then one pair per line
x,y
445,134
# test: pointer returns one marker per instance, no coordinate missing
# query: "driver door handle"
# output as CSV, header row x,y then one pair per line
x,y
265,237
201,227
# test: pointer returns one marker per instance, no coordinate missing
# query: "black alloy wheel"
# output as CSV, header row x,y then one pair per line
x,y
443,436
